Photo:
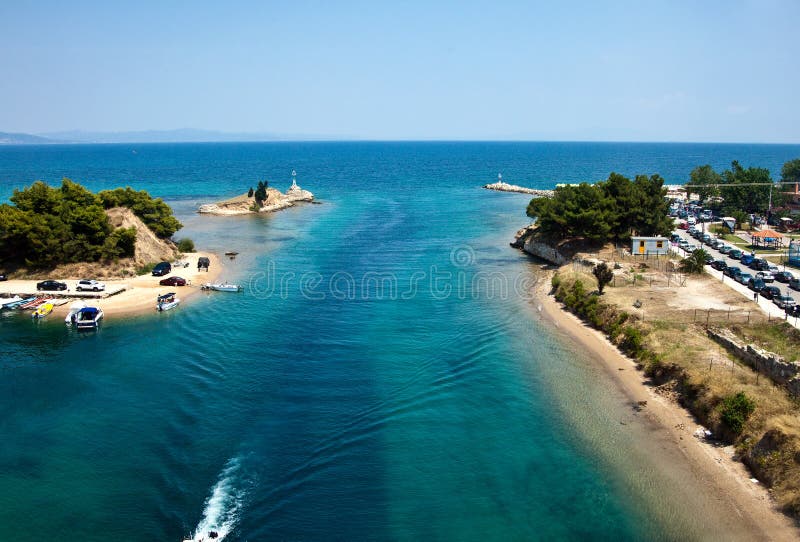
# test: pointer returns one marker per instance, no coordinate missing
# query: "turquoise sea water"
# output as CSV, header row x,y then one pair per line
x,y
384,376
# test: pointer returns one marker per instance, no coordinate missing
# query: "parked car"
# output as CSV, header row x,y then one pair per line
x,y
674,238
51,285
90,285
783,301
709,258
756,284
164,268
725,249
759,264
716,243
784,276
690,248
747,259
683,226
766,276
173,281
794,284
770,292
719,265
735,253
732,271
743,278
794,310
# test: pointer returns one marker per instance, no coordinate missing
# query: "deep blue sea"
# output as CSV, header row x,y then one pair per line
x,y
384,376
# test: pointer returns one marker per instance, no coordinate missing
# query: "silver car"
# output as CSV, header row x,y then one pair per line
x,y
89,285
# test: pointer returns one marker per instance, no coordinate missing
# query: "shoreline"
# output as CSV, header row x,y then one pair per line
x,y
750,504
139,296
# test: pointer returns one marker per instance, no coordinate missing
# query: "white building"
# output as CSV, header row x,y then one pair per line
x,y
645,246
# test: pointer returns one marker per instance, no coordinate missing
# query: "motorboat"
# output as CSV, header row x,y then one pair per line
x,y
6,302
42,310
167,301
222,287
74,309
88,318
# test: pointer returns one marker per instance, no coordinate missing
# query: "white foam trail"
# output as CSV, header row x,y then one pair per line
x,y
221,507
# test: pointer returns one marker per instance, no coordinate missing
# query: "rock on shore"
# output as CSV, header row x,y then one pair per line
x,y
505,187
244,204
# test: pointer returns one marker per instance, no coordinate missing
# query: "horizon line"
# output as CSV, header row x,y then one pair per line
x,y
399,140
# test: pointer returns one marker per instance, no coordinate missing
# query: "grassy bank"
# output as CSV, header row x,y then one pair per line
x,y
737,405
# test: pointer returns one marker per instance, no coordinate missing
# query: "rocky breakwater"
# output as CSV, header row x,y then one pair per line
x,y
244,204
505,187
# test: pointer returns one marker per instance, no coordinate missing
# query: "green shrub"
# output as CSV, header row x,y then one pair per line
x,y
145,269
185,245
632,342
121,243
735,411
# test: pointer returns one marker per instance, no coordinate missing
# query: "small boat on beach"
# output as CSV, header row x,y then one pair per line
x,y
6,303
222,287
74,309
35,302
88,318
42,310
17,304
167,301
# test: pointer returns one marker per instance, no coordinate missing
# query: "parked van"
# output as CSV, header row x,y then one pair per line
x,y
164,268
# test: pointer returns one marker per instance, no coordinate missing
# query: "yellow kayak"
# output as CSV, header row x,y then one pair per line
x,y
42,310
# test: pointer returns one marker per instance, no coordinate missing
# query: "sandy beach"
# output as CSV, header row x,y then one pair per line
x,y
139,296
744,503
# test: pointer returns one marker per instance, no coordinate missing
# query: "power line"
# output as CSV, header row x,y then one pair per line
x,y
736,184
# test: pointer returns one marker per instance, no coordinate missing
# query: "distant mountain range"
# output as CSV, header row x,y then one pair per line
x,y
184,135
7,138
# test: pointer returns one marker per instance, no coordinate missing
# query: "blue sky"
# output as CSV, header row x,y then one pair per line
x,y
615,71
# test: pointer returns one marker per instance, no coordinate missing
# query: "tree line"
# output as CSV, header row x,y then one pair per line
x,y
738,191
613,209
46,226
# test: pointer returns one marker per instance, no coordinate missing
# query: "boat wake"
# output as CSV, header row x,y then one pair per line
x,y
223,505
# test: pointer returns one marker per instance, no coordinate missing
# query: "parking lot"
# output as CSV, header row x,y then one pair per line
x,y
767,305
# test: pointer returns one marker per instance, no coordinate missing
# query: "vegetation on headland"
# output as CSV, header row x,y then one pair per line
x,y
759,418
156,214
46,226
613,209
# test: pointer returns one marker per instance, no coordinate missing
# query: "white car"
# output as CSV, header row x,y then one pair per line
x,y
89,285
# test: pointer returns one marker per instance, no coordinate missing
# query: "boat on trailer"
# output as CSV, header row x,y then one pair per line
x,y
167,301
88,318
221,287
